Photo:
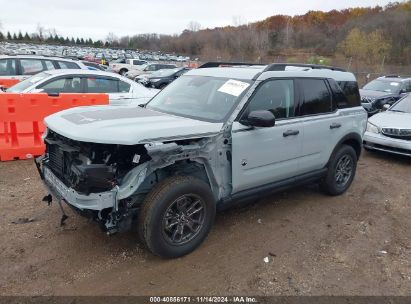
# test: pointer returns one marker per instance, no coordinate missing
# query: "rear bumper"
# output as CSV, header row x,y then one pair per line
x,y
387,144
93,201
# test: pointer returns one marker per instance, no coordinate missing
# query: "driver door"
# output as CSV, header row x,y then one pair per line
x,y
267,155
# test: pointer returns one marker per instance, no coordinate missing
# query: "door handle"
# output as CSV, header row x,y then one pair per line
x,y
291,133
335,125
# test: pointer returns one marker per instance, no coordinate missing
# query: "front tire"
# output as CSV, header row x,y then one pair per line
x,y
176,216
341,171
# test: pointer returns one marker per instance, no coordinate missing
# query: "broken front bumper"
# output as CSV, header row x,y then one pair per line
x,y
93,201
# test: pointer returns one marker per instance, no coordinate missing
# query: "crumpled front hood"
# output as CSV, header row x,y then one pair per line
x,y
374,94
127,125
390,119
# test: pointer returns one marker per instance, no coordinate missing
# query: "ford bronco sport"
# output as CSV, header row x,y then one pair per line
x,y
212,138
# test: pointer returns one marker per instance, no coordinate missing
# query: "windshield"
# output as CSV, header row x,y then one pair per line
x,y
403,105
164,73
21,86
200,97
383,86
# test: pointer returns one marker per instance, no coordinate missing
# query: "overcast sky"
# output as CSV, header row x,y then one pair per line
x,y
96,18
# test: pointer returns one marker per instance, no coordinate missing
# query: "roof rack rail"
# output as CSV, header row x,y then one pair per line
x,y
282,67
392,76
217,64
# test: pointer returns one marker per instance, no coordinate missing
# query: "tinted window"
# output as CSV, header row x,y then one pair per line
x,y
102,85
350,90
7,67
63,85
124,87
67,65
276,96
31,66
317,97
138,62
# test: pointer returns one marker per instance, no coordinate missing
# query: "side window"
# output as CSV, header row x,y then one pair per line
x,y
49,65
276,96
67,65
123,87
31,66
317,97
351,92
7,67
63,85
102,85
407,86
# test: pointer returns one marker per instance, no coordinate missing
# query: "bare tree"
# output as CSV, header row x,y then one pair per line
x,y
40,31
194,26
111,38
239,20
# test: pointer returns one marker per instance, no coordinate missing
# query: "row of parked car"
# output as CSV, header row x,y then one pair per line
x,y
88,53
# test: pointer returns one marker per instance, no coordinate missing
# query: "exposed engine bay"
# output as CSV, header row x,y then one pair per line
x,y
90,167
122,175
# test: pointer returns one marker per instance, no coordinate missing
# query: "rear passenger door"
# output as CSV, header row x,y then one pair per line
x,y
69,84
118,91
323,126
267,155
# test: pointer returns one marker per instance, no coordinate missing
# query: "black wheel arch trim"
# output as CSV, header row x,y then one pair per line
x,y
349,139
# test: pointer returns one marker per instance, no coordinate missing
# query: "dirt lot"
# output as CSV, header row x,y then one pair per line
x,y
355,244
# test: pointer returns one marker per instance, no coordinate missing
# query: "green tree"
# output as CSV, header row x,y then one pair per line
x,y
14,37
20,36
8,36
370,48
1,36
78,41
26,37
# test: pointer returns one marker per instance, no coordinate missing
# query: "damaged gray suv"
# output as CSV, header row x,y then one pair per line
x,y
214,137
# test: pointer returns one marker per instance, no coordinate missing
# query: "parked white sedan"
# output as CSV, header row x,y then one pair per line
x,y
120,89
390,131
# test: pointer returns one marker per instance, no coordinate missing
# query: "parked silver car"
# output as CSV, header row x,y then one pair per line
x,y
23,66
213,137
390,131
121,90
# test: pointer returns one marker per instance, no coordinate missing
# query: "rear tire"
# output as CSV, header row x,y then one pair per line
x,y
341,171
176,216
123,72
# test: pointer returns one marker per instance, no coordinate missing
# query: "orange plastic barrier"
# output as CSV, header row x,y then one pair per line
x,y
22,115
193,65
7,83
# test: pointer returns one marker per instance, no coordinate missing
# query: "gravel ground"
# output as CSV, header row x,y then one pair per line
x,y
355,244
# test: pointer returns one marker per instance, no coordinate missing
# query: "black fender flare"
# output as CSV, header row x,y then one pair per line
x,y
352,139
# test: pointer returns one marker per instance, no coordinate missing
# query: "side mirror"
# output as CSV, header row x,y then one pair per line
x,y
386,107
262,118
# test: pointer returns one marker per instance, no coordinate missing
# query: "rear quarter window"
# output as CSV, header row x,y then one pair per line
x,y
352,94
68,65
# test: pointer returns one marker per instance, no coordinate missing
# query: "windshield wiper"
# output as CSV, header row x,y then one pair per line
x,y
398,111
